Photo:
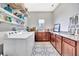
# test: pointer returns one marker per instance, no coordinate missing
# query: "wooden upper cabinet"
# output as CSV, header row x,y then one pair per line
x,y
58,43
68,47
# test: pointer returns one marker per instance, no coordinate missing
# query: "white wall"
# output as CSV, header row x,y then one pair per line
x,y
63,12
35,16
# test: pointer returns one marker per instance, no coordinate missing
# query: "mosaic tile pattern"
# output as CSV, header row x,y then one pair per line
x,y
44,49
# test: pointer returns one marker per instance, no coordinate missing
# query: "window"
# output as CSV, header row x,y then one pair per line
x,y
41,23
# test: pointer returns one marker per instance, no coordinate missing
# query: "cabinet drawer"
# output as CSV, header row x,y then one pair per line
x,y
58,36
69,41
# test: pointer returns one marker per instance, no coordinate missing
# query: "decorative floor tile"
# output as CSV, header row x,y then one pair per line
x,y
44,49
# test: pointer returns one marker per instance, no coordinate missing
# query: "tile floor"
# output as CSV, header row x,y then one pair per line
x,y
44,49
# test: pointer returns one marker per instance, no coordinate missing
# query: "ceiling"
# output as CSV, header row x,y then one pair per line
x,y
41,7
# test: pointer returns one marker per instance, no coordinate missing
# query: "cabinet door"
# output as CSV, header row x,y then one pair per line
x,y
38,36
78,48
47,36
42,36
58,44
68,50
53,39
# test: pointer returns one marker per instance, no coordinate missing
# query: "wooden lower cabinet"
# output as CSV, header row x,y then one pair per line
x,y
78,48
68,47
47,36
65,46
68,50
42,36
58,43
52,39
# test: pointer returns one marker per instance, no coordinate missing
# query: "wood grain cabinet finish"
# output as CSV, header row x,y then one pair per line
x,y
47,36
42,36
58,43
68,47
78,48
65,46
52,40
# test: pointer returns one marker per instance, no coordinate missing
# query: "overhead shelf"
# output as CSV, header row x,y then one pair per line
x,y
8,13
3,10
18,6
1,20
18,9
13,23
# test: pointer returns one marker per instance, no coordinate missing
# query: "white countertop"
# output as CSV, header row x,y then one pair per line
x,y
21,35
72,37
